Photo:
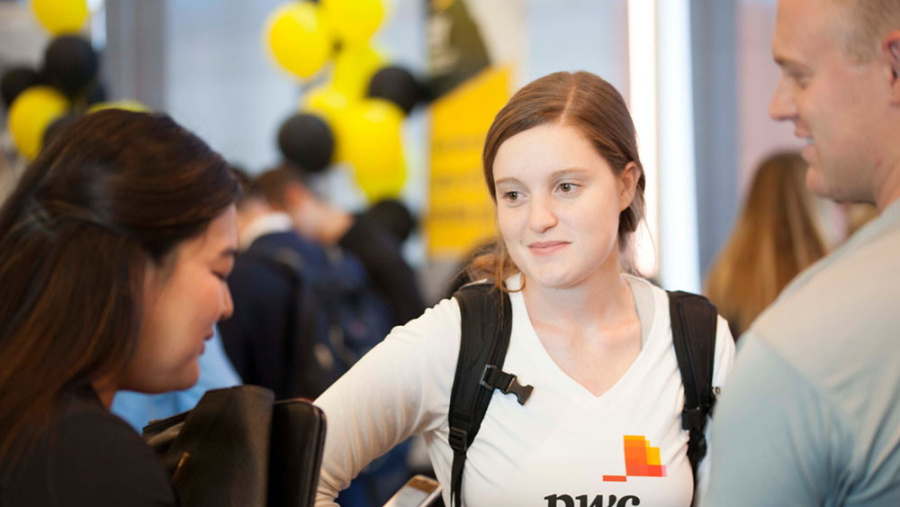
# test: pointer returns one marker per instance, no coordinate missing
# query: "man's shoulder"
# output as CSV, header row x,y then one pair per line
x,y
842,313
863,269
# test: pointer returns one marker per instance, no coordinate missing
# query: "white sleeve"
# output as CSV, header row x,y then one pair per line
x,y
721,369
400,388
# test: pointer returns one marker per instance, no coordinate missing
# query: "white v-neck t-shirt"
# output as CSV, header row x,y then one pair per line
x,y
565,447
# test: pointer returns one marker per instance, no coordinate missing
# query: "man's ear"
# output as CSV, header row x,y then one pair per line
x,y
628,180
891,49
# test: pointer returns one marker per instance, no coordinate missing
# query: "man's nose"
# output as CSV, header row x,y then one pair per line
x,y
782,107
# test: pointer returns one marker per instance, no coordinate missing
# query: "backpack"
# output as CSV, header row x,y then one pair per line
x,y
485,340
336,317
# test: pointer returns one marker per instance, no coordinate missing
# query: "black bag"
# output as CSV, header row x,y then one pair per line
x,y
335,312
485,340
240,448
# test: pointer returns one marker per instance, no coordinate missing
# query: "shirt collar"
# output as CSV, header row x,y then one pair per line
x,y
265,224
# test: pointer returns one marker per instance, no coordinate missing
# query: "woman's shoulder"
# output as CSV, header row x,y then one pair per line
x,y
91,457
650,299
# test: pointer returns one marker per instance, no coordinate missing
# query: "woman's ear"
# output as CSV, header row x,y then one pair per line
x,y
628,180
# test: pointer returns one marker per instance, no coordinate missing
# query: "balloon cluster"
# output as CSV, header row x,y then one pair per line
x,y
40,101
355,115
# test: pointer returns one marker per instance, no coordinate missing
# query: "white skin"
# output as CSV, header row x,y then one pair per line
x,y
847,110
184,298
558,206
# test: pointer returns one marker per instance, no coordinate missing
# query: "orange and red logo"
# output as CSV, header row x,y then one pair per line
x,y
641,460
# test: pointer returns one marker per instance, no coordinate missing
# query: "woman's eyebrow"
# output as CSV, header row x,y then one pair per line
x,y
570,171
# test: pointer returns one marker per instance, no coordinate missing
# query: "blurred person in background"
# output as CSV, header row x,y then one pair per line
x,y
306,310
364,236
278,337
114,250
776,236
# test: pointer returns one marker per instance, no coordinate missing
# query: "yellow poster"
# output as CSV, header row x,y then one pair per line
x,y
461,213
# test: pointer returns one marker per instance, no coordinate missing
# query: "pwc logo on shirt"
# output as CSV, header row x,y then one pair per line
x,y
641,460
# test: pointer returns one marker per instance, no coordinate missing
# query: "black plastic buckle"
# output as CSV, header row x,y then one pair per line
x,y
495,378
458,439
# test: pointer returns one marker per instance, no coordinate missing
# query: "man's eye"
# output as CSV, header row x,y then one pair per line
x,y
799,79
511,196
566,187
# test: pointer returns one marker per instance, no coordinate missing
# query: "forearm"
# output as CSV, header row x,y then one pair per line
x,y
399,389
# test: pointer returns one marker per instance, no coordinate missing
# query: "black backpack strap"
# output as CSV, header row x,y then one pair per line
x,y
694,320
299,376
486,315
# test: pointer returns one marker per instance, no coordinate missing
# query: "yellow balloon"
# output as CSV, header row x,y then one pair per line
x,y
326,101
128,105
369,138
331,105
354,67
60,16
354,21
30,115
299,38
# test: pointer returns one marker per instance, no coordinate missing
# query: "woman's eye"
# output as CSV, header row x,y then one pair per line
x,y
511,196
566,187
220,276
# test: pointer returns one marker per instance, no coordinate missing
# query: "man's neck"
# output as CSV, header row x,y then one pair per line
x,y
889,189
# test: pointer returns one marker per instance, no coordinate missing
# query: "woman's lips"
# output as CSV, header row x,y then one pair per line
x,y
547,247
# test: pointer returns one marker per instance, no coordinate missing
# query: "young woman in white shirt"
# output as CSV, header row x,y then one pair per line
x,y
561,163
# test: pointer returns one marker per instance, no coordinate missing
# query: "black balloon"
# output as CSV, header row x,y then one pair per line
x,y
16,81
394,216
397,85
95,93
70,63
306,140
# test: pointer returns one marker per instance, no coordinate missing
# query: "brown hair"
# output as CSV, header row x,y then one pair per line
x,y
273,184
114,191
581,100
776,237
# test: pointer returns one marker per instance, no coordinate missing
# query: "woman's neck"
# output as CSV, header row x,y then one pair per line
x,y
603,299
105,390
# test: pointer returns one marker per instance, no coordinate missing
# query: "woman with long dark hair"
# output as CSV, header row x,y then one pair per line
x,y
114,248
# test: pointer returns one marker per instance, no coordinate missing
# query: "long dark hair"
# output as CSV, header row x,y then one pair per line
x,y
114,191
579,99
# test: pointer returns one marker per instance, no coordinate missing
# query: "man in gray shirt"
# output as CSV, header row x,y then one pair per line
x,y
811,413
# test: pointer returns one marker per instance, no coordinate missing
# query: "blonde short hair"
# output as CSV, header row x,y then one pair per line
x,y
870,21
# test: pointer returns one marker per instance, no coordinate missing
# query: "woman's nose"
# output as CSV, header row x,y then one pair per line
x,y
227,304
541,216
